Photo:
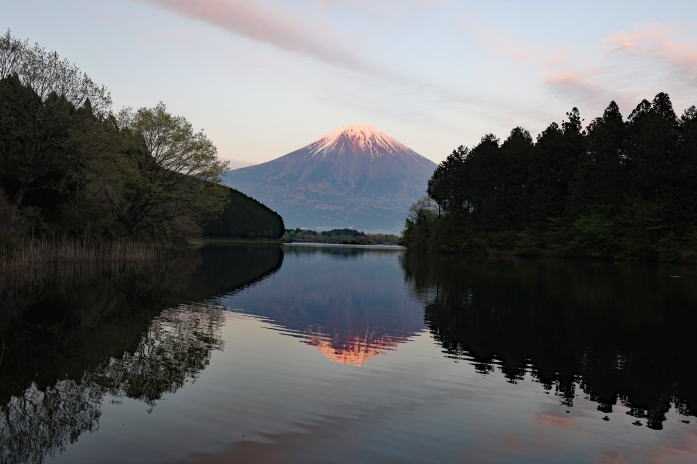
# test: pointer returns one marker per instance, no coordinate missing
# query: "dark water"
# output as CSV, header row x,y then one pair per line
x,y
315,355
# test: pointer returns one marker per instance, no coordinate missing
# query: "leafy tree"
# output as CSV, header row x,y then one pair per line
x,y
70,168
46,73
35,139
168,183
448,184
172,144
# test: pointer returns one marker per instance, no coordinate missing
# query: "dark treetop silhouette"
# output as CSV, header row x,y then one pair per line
x,y
616,188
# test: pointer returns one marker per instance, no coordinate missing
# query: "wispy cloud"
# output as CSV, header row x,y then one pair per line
x,y
655,43
625,66
633,64
252,20
579,86
386,10
287,30
502,43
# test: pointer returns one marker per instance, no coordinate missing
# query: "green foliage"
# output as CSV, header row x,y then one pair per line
x,y
529,242
69,168
419,230
616,189
172,144
46,73
595,234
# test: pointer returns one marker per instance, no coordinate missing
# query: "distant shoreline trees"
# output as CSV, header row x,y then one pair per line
x,y
338,236
615,189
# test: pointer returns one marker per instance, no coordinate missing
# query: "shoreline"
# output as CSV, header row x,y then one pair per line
x,y
344,245
240,241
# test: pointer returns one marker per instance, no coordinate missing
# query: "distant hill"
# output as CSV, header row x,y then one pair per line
x,y
355,176
245,217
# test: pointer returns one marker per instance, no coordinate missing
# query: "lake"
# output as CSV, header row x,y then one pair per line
x,y
302,354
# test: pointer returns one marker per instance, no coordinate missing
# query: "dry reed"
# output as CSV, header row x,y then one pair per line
x,y
34,261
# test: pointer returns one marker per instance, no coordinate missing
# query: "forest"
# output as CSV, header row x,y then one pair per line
x,y
615,189
73,170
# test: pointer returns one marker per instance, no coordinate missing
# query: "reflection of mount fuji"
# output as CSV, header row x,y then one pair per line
x,y
351,311
355,350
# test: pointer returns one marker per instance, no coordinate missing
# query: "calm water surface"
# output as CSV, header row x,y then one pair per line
x,y
322,355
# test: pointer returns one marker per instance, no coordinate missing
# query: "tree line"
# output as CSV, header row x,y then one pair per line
x,y
614,189
70,167
339,236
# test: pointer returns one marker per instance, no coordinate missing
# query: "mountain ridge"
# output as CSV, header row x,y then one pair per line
x,y
355,176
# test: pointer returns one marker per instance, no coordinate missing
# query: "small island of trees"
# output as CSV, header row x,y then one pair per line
x,y
616,189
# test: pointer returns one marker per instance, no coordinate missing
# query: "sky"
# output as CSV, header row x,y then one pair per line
x,y
265,77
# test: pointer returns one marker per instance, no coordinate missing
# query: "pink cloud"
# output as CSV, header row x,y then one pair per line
x,y
625,66
501,43
579,86
282,30
250,19
624,41
654,43
387,11
564,78
636,64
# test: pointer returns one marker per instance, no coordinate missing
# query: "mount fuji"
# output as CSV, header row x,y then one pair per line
x,y
356,177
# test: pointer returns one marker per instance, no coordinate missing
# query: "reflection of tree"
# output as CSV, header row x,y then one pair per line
x,y
616,334
173,350
77,320
40,423
176,347
80,337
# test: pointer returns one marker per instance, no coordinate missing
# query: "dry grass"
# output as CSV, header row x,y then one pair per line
x,y
33,262
40,252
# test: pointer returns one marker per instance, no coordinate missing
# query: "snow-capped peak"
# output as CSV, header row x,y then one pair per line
x,y
358,139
